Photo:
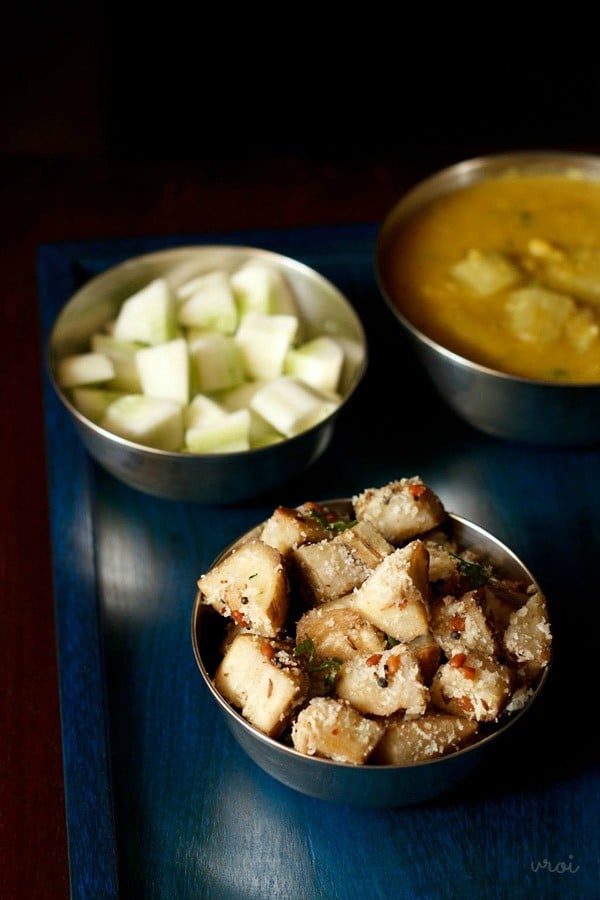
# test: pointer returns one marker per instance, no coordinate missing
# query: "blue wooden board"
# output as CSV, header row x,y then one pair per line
x,y
161,802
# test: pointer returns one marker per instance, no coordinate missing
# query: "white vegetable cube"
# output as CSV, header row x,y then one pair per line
x,y
240,395
196,282
148,316
262,433
291,406
208,302
259,287
152,421
318,362
486,272
122,354
201,411
229,434
537,315
264,341
84,368
216,361
92,402
164,370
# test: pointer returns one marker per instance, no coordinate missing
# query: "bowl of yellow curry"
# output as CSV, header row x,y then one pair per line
x,y
492,268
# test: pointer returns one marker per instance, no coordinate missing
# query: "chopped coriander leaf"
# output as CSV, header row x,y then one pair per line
x,y
336,525
340,525
476,574
306,650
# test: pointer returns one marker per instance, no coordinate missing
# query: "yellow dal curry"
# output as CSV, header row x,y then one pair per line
x,y
506,273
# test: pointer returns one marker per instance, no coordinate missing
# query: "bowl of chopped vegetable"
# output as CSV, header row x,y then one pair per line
x,y
371,650
207,373
492,269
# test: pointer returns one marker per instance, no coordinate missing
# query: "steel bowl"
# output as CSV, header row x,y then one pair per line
x,y
375,786
499,404
220,478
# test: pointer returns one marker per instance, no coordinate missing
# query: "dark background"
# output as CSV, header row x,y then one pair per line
x,y
183,83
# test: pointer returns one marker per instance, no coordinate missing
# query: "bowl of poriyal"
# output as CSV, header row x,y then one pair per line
x,y
492,268
371,650
207,373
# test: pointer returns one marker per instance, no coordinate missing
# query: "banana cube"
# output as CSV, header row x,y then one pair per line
x,y
400,510
334,730
409,741
250,586
263,680
472,686
383,683
395,595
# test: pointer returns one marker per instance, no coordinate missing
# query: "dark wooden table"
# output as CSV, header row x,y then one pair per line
x,y
43,201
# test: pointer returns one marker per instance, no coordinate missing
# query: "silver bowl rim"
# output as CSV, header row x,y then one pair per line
x,y
179,455
289,752
479,166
